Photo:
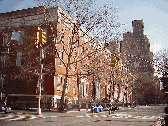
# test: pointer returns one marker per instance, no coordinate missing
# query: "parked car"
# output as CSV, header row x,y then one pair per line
x,y
4,108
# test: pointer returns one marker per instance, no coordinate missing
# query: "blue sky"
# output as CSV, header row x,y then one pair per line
x,y
153,12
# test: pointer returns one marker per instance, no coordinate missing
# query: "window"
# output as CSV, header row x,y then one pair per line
x,y
69,41
59,82
67,87
15,35
103,92
92,89
5,39
19,54
3,82
86,89
18,59
20,42
81,89
75,46
75,65
67,58
60,58
74,85
3,60
61,36
81,66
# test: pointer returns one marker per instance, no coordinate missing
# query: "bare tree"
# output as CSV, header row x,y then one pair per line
x,y
100,23
160,61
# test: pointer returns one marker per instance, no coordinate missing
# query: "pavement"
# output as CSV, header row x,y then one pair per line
x,y
122,113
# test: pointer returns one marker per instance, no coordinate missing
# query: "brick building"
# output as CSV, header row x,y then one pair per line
x,y
89,63
135,53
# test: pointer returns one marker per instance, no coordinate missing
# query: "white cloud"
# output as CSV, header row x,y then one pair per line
x,y
156,46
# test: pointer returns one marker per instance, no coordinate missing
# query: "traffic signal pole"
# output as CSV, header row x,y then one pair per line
x,y
42,37
40,81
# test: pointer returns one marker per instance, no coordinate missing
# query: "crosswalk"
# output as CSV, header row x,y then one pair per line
x,y
126,116
24,117
19,117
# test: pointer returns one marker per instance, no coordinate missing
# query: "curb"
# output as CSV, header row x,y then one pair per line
x,y
160,122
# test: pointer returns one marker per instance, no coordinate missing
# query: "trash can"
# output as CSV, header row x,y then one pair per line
x,y
100,109
92,109
96,109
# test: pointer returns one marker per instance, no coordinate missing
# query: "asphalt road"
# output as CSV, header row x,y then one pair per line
x,y
139,116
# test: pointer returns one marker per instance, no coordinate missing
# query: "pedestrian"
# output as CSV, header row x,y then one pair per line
x,y
5,102
110,109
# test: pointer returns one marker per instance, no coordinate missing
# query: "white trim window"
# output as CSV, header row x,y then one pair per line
x,y
16,35
74,65
75,46
74,85
69,41
103,92
3,60
81,66
5,39
85,89
67,86
61,36
18,58
59,82
60,57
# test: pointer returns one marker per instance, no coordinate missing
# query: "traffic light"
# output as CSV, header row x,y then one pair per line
x,y
35,38
39,37
42,36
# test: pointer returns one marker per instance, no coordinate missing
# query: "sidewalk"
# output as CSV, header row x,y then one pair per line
x,y
160,121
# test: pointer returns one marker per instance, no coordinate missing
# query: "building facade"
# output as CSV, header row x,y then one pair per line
x,y
67,52
135,53
69,61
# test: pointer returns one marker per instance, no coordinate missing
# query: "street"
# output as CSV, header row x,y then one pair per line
x,y
138,116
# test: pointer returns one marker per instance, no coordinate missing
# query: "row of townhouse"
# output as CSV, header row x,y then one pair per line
x,y
71,59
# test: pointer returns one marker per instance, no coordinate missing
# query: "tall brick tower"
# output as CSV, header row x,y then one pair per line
x,y
136,55
135,49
